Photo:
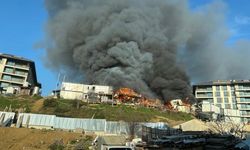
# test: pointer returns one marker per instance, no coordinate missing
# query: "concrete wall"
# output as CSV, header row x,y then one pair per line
x,y
208,107
66,86
71,95
81,91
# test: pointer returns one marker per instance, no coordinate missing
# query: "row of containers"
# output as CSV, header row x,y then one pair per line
x,y
42,121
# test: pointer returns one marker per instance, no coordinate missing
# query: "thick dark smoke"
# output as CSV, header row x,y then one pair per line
x,y
148,45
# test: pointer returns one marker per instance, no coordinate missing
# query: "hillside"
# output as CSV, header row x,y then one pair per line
x,y
71,108
23,138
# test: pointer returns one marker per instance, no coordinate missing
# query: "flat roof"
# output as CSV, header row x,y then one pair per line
x,y
222,82
16,57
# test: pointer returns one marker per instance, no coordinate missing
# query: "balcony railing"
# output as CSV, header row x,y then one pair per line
x,y
11,81
18,66
204,96
242,88
204,90
243,108
243,94
16,74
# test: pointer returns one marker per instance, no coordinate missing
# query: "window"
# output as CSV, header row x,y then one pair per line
x,y
209,94
226,100
240,86
233,100
232,93
217,94
224,88
20,72
4,84
217,88
247,99
11,63
241,93
9,70
225,93
209,89
6,77
218,105
17,79
227,106
219,100
242,99
234,106
208,101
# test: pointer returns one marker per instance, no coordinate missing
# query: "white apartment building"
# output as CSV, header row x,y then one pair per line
x,y
230,95
18,75
85,92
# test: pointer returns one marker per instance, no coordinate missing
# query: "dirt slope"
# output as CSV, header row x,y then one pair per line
x,y
32,139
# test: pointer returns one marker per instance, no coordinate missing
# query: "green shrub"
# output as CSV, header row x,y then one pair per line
x,y
50,103
61,109
27,109
57,145
37,97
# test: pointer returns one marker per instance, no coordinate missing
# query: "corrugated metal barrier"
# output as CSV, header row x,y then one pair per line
x,y
52,121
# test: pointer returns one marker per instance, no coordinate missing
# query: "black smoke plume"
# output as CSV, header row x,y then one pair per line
x,y
148,45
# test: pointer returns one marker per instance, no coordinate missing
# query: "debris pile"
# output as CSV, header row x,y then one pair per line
x,y
178,105
129,96
126,95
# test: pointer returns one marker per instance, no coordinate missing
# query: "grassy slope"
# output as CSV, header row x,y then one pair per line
x,y
67,108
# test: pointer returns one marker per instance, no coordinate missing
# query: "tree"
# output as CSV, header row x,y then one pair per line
x,y
228,127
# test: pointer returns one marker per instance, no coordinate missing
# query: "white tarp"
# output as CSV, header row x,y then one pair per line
x,y
7,117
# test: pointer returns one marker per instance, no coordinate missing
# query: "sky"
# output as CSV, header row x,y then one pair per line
x,y
22,25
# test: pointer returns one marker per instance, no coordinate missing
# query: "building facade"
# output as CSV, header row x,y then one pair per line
x,y
86,92
18,75
227,95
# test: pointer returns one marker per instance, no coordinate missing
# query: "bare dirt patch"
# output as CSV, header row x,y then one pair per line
x,y
38,105
32,139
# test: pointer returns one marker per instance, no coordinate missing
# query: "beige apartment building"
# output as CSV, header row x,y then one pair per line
x,y
18,75
226,94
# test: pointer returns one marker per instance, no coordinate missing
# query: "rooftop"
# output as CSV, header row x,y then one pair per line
x,y
222,82
15,57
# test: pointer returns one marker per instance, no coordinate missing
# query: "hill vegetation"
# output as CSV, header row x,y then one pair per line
x,y
78,109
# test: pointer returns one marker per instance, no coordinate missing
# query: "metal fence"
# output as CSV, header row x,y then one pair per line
x,y
95,125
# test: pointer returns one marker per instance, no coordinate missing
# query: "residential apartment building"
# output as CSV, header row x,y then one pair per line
x,y
228,95
18,75
86,92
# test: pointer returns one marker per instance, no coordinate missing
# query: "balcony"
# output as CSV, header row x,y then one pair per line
x,y
23,67
12,81
16,74
242,88
204,96
245,115
243,94
204,90
244,108
243,102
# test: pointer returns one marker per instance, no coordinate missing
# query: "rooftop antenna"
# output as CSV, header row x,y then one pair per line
x,y
57,82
